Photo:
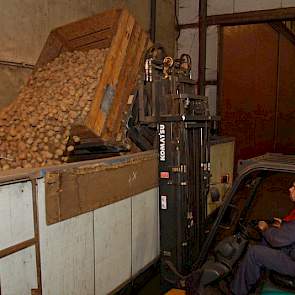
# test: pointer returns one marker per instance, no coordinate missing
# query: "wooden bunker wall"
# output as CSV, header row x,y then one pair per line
x,y
94,252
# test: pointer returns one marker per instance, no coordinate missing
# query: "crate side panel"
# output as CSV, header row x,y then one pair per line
x,y
89,33
111,70
89,25
127,82
52,48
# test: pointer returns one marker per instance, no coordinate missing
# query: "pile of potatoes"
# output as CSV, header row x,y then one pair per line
x,y
35,128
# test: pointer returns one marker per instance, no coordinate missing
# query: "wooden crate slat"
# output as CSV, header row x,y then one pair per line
x,y
80,28
134,63
99,44
114,60
94,37
51,50
128,71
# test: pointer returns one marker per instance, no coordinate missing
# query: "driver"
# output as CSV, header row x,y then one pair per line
x,y
277,252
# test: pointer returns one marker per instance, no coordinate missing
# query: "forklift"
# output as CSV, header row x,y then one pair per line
x,y
167,105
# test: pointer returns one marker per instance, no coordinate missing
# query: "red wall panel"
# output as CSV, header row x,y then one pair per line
x,y
248,87
285,141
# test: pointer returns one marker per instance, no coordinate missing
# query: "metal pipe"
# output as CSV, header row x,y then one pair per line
x,y
202,46
16,64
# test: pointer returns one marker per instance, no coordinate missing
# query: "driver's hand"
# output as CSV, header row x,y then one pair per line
x,y
277,222
262,225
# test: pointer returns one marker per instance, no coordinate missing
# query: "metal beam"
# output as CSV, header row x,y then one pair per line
x,y
252,17
202,46
16,64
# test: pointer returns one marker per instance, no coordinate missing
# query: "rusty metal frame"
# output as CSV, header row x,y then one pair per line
x,y
251,17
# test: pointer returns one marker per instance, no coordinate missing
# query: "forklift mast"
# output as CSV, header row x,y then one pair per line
x,y
168,103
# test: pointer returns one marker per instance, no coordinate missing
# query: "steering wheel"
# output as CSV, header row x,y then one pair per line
x,y
250,231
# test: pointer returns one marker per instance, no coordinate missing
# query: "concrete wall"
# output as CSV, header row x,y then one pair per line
x,y
11,79
26,24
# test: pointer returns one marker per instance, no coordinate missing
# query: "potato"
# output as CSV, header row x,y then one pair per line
x,y
36,127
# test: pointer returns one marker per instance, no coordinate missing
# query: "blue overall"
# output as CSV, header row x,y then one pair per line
x,y
277,254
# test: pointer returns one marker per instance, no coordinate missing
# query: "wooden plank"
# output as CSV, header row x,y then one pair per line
x,y
85,26
125,72
121,52
144,43
67,252
113,63
51,50
92,38
37,234
127,81
16,248
97,44
85,189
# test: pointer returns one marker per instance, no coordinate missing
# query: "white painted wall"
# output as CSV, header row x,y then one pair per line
x,y
188,11
215,7
67,252
145,230
288,3
18,273
211,93
188,42
16,213
211,54
93,253
250,5
113,248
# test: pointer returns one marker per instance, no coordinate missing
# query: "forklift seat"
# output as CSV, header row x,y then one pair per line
x,y
282,280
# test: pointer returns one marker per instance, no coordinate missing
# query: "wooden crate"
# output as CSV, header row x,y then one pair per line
x,y
127,41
